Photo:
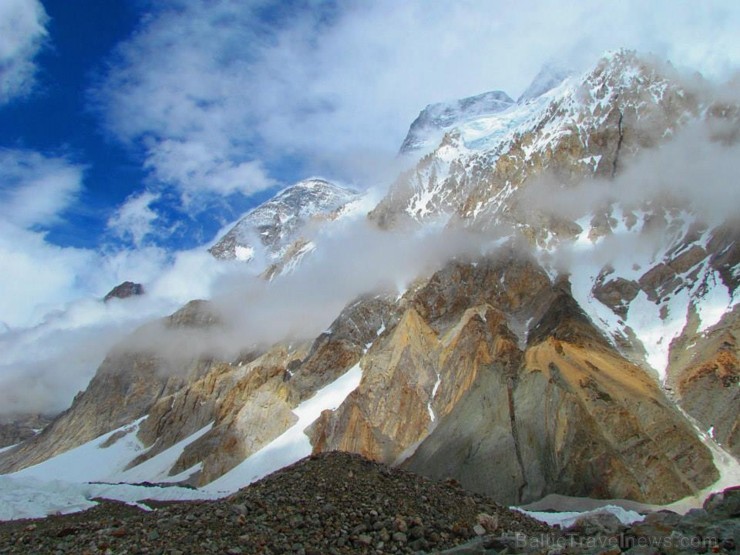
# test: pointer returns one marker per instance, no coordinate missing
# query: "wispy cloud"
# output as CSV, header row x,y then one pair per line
x,y
22,34
35,189
134,219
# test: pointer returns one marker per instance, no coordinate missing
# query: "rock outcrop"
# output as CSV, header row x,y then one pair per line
x,y
17,428
124,291
452,395
704,376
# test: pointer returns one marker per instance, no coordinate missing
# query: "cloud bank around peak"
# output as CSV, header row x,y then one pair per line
x,y
22,35
218,92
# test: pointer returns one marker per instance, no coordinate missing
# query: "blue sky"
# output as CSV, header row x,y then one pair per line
x,y
55,118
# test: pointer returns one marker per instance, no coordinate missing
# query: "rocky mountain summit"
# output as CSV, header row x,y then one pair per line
x,y
124,291
587,345
277,224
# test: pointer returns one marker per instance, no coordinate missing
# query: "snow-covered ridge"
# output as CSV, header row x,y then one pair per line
x,y
572,122
435,119
274,225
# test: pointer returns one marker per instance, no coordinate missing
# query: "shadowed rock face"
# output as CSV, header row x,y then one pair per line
x,y
17,428
704,375
125,290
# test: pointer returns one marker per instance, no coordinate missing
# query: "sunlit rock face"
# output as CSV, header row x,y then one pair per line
x,y
559,410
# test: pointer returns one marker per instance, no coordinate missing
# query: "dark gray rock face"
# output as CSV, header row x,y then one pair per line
x,y
124,290
17,428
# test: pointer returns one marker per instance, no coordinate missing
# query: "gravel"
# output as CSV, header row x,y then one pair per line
x,y
330,503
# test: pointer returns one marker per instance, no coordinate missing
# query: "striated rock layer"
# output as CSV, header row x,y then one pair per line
x,y
454,395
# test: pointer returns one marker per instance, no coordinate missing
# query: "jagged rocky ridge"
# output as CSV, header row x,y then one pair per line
x,y
276,225
507,372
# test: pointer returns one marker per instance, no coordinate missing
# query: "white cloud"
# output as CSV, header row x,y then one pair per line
x,y
134,219
22,33
45,364
197,166
35,189
340,86
37,276
54,328
180,89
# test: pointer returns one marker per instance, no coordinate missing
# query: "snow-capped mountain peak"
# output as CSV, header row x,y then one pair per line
x,y
275,224
435,119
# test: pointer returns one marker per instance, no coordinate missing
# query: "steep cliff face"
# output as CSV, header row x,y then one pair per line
x,y
704,375
126,386
456,396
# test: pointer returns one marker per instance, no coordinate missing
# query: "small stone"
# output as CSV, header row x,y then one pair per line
x,y
479,530
725,504
642,550
364,539
152,536
240,509
416,532
400,524
234,551
595,524
490,523
419,544
399,537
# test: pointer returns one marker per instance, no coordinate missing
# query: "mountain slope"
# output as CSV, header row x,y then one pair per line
x,y
568,168
435,119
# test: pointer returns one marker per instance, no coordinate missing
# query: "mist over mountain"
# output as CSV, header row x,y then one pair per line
x,y
543,303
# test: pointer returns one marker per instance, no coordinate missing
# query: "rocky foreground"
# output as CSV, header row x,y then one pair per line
x,y
341,503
